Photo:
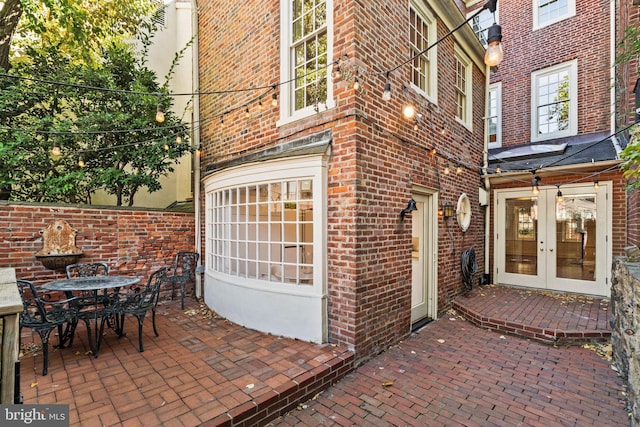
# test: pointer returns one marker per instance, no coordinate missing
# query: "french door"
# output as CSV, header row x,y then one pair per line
x,y
554,242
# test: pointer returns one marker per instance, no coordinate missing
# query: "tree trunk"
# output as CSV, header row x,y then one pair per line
x,y
9,17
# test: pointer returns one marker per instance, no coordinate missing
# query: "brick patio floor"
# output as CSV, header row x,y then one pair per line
x,y
210,372
199,370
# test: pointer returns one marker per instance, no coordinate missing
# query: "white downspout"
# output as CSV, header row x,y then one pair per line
x,y
487,184
196,143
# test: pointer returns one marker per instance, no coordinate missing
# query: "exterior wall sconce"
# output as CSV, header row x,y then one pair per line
x,y
411,206
448,210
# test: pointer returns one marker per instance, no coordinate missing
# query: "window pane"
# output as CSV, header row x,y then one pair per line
x,y
265,228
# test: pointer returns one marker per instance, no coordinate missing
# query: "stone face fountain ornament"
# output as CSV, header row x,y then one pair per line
x,y
58,246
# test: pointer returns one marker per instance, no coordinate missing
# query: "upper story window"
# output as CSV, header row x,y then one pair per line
x,y
554,102
422,34
547,12
481,23
494,118
305,55
463,88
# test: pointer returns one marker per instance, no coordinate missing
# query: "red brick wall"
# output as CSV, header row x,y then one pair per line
x,y
586,36
134,242
376,156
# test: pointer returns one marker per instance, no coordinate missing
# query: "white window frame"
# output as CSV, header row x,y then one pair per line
x,y
537,24
281,307
431,56
497,89
572,129
464,60
286,89
482,34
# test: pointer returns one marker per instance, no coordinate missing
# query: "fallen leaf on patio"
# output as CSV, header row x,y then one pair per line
x,y
502,337
441,341
34,385
452,318
250,386
387,384
164,402
88,353
381,367
77,353
413,352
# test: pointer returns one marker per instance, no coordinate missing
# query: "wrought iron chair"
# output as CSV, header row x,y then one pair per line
x,y
181,272
87,270
137,303
44,316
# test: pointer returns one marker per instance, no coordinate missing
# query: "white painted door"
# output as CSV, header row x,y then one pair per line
x,y
423,259
557,243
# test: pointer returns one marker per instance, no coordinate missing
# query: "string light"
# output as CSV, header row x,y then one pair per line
x,y
166,147
498,170
535,189
409,111
247,114
56,151
459,169
81,162
178,139
274,97
559,195
386,94
159,114
596,184
446,169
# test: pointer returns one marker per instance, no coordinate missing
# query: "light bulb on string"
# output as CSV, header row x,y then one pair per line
x,y
446,169
386,94
56,151
166,147
159,112
498,170
260,105
409,111
535,189
559,196
596,184
356,84
81,161
336,73
178,139
247,114
494,54
274,97
459,169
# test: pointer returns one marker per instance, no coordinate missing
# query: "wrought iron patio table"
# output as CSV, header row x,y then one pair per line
x,y
92,284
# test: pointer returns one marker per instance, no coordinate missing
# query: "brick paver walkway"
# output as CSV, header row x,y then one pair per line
x,y
452,373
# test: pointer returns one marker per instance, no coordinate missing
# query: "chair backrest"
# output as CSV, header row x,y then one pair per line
x,y
147,297
87,269
33,311
185,264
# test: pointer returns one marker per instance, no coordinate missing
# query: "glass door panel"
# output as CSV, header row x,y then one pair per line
x,y
576,237
521,231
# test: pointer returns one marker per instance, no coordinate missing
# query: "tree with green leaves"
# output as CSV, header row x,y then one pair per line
x,y
78,26
104,118
99,109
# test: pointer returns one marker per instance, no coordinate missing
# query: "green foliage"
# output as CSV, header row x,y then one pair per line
x,y
125,149
631,157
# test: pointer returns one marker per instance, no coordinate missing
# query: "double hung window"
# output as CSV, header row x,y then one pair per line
x,y
554,102
422,34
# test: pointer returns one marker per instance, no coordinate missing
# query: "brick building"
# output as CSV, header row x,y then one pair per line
x,y
555,131
303,233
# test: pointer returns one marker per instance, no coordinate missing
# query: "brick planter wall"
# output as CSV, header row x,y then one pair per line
x,y
130,241
625,321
